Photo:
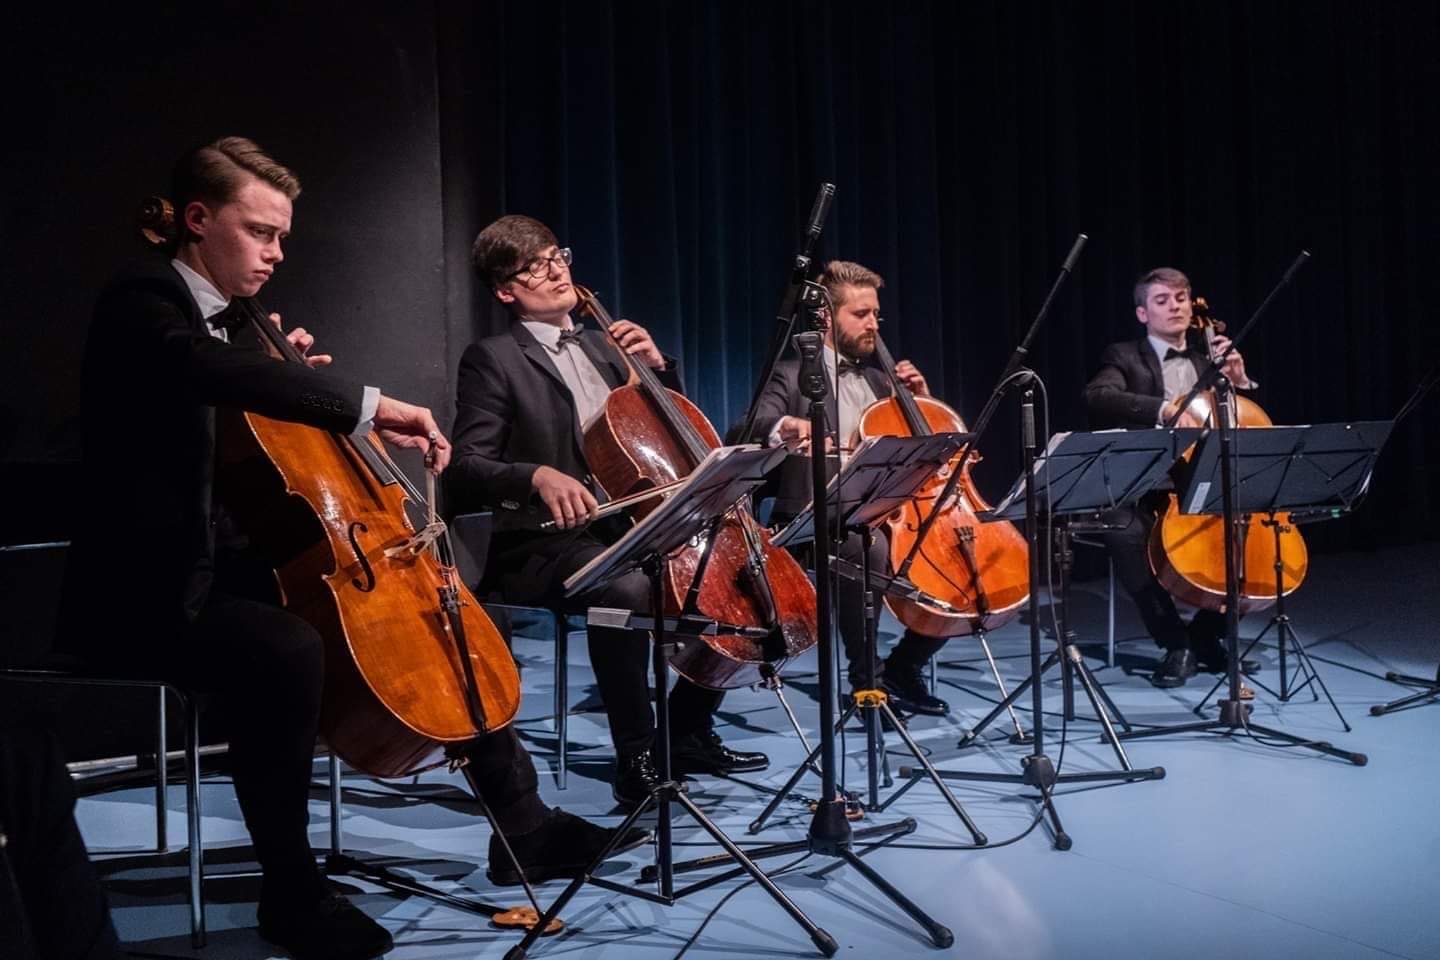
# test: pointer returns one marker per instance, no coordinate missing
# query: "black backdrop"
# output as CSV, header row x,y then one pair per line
x,y
677,148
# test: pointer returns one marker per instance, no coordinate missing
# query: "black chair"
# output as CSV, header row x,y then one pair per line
x,y
53,670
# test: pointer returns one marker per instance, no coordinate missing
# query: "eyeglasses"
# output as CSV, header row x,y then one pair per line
x,y
539,268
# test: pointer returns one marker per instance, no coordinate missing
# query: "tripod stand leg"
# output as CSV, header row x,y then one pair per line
x,y
1432,691
778,687
924,761
758,823
1039,774
1324,746
823,941
940,935
1302,656
1088,682
1019,735
519,951
973,734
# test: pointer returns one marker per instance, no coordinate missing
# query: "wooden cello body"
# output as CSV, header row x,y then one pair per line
x,y
981,571
650,436
330,513
1187,551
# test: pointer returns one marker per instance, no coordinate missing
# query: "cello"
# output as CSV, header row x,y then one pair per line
x,y
412,662
1187,551
981,571
648,437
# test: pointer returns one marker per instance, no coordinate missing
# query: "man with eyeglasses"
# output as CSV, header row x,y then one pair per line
x,y
523,400
783,417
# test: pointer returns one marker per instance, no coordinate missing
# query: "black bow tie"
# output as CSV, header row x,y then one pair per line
x,y
844,365
230,319
569,336
1172,352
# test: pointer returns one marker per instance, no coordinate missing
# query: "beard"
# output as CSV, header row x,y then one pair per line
x,y
856,347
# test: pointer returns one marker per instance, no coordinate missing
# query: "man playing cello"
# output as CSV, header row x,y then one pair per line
x,y
523,399
783,418
1139,385
160,582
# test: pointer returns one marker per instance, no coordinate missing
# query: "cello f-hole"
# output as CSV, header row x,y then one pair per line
x,y
369,583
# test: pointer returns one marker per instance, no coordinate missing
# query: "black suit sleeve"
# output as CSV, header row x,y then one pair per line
x,y
139,321
485,412
1109,395
774,400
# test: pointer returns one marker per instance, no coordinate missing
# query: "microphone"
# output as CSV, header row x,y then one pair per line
x,y
1074,254
1300,261
820,209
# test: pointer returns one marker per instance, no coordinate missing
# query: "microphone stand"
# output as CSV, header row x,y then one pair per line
x,y
1234,712
790,299
1428,689
1037,770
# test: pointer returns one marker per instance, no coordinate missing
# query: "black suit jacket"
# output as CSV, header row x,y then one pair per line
x,y
1129,389
143,554
514,414
781,398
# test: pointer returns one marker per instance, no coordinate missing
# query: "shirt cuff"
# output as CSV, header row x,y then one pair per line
x,y
774,440
369,403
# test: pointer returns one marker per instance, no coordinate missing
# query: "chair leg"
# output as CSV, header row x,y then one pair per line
x,y
562,694
337,833
192,804
162,774
1110,618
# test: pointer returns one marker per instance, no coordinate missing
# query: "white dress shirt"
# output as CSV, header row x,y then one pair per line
x,y
1180,376
584,381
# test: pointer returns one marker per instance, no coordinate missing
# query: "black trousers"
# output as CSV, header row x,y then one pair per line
x,y
51,904
532,570
911,652
1127,546
262,670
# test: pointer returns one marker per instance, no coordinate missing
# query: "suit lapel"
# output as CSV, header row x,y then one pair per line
x,y
604,354
539,356
1151,363
879,382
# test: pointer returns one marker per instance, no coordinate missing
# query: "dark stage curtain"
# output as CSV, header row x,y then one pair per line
x,y
677,148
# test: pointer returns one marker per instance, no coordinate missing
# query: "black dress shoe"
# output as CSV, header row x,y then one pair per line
x,y
635,778
1210,656
906,689
704,752
1177,667
562,846
331,928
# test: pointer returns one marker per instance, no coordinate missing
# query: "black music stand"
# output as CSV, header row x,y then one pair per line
x,y
881,476
1311,473
1081,473
724,477
1314,471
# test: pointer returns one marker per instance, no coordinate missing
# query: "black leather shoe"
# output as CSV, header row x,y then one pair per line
x,y
1211,657
331,928
635,777
704,752
1177,667
907,692
562,846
